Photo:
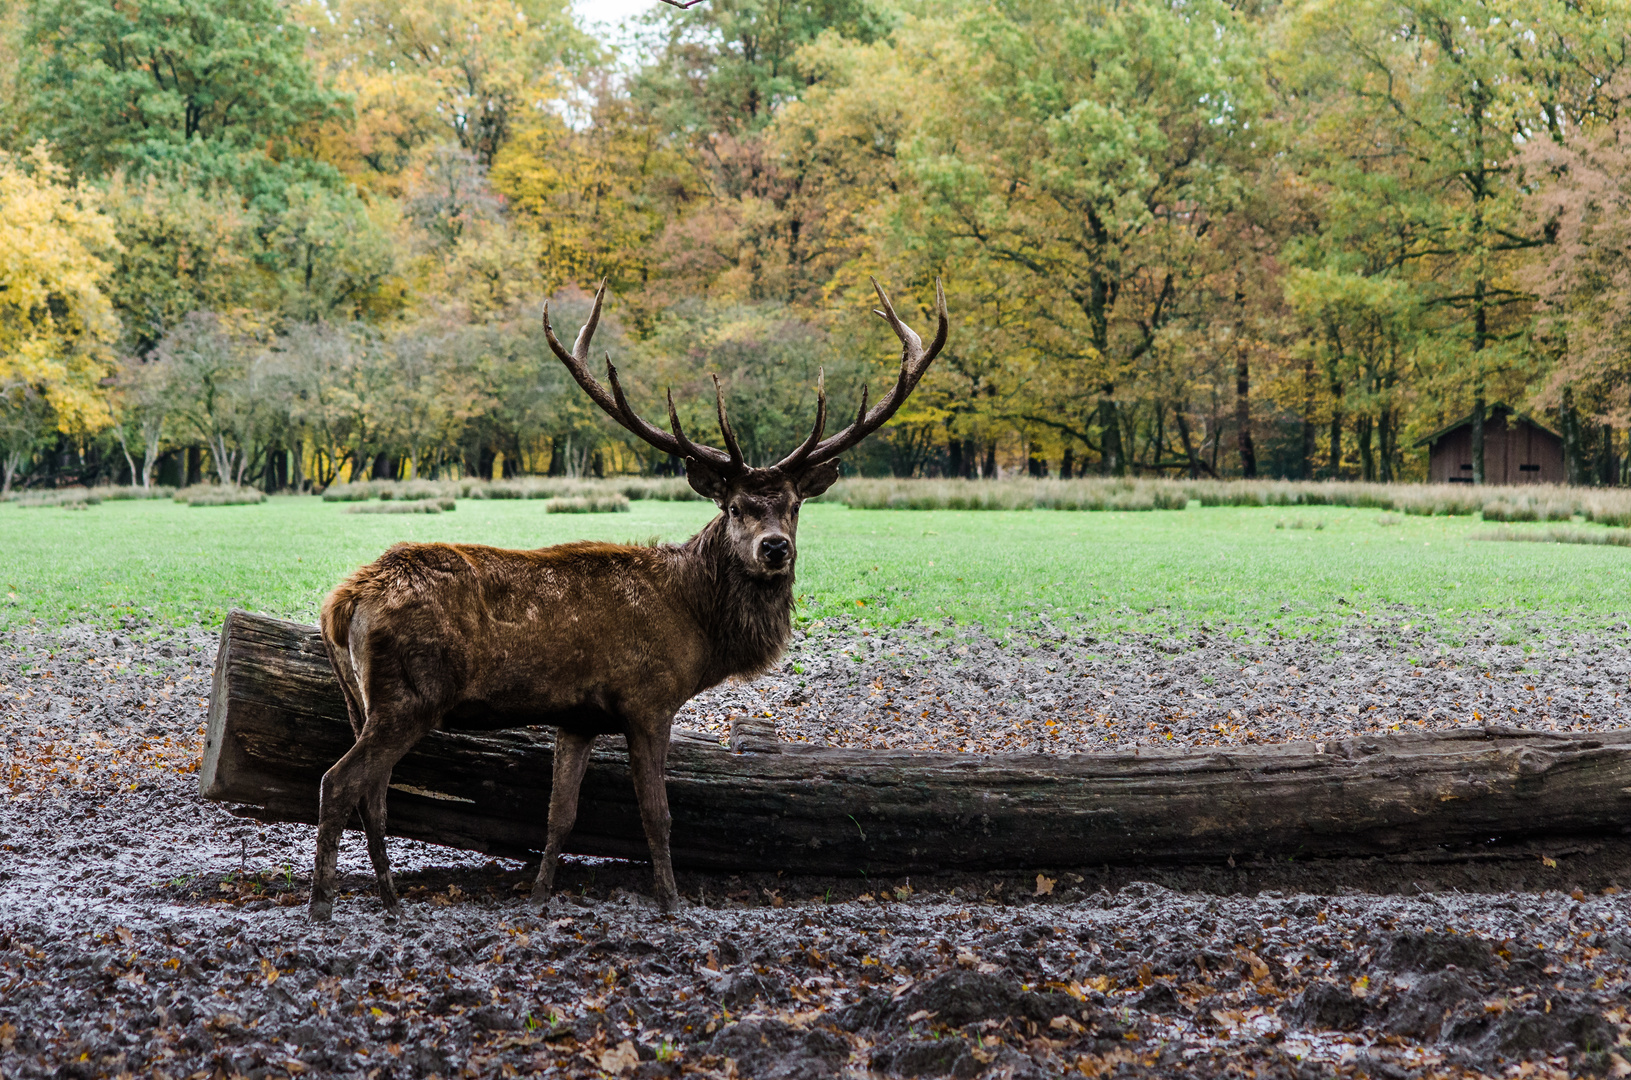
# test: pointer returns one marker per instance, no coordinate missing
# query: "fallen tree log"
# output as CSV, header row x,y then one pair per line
x,y
277,721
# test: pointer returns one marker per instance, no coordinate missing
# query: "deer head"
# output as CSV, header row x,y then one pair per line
x,y
760,505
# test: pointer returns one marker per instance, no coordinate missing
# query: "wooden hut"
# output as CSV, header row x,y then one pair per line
x,y
1517,450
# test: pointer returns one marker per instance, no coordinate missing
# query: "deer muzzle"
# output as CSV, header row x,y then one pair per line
x,y
775,552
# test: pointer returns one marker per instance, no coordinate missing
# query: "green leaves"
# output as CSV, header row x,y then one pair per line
x,y
211,90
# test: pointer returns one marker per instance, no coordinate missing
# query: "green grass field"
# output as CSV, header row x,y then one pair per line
x,y
1225,567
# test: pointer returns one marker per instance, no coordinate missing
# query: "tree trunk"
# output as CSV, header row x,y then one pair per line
x,y
1243,413
1336,433
1478,437
1189,444
1110,462
1308,418
1367,456
1571,439
277,722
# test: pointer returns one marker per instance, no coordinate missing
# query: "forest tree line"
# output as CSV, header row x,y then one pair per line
x,y
282,243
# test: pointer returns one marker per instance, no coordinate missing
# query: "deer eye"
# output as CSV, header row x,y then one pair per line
x,y
736,511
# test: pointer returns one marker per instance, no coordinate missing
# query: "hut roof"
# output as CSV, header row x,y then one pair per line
x,y
1498,409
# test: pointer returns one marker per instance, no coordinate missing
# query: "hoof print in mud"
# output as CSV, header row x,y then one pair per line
x,y
776,1050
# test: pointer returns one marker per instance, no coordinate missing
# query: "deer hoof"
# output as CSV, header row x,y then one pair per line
x,y
320,911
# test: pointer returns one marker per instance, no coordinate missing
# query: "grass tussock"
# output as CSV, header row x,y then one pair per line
x,y
1021,494
80,498
219,495
412,506
607,503
71,498
668,489
1557,535
1300,523
1528,503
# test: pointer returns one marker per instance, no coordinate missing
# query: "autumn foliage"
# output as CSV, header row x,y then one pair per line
x,y
285,243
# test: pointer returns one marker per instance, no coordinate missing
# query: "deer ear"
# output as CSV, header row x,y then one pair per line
x,y
704,480
817,480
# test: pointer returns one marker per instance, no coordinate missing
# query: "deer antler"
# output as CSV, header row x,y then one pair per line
x,y
914,361
616,404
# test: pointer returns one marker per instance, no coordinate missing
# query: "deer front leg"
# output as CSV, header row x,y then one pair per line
x,y
571,759
648,761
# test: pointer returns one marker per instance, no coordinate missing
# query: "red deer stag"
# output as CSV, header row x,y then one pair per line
x,y
589,638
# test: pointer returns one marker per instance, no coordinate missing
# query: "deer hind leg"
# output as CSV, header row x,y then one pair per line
x,y
372,811
362,774
648,762
571,759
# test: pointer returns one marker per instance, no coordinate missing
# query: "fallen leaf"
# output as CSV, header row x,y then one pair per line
x,y
1044,885
620,1060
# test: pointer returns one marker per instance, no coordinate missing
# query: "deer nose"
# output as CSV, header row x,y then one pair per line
x,y
774,550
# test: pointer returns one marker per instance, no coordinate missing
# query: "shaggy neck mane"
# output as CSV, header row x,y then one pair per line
x,y
747,618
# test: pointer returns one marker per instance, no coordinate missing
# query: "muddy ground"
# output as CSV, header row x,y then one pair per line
x,y
143,931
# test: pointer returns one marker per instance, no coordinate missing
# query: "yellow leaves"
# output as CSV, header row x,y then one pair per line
x,y
269,971
56,325
1044,885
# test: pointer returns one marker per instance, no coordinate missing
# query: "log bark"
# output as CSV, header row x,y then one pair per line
x,y
277,721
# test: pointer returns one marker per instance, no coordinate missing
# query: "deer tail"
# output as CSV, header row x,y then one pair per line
x,y
338,609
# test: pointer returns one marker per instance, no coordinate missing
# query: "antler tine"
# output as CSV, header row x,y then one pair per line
x,y
794,460
914,362
577,361
737,460
615,403
688,448
652,434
